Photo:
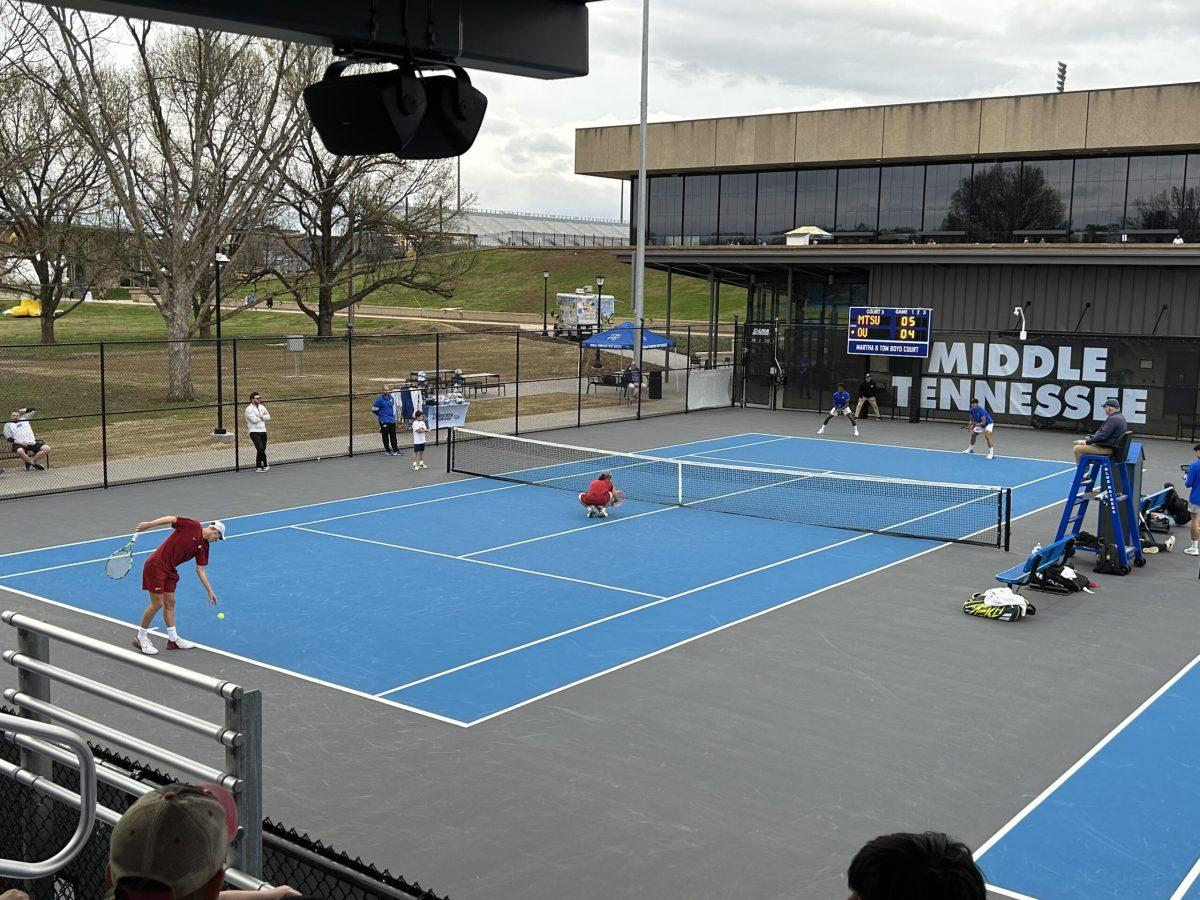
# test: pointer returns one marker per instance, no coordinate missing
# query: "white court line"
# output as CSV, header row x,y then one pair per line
x,y
544,537
719,628
797,437
478,562
245,659
1005,892
1100,745
365,512
283,509
703,587
1188,881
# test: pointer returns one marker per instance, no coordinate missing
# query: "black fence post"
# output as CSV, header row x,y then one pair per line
x,y
517,397
437,384
579,389
640,337
733,373
350,389
237,453
687,377
103,418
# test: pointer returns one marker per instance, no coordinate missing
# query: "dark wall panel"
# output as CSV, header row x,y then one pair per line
x,y
1125,300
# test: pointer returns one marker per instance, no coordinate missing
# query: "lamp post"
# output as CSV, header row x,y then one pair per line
x,y
545,298
596,363
219,259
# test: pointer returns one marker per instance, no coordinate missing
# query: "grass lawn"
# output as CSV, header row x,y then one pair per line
x,y
98,322
510,280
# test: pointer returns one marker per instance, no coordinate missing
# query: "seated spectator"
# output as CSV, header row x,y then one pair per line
x,y
1102,442
633,377
20,436
929,866
171,845
458,382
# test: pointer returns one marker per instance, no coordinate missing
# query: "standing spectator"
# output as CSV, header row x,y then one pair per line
x,y
270,303
20,435
458,382
1193,481
171,845
867,391
385,411
1102,442
160,574
980,423
929,866
257,418
419,430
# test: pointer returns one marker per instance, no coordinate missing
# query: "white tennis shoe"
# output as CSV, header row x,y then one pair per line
x,y
592,512
856,431
821,430
1192,550
991,454
180,644
602,512
143,644
969,450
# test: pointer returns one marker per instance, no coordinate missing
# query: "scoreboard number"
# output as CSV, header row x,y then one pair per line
x,y
889,331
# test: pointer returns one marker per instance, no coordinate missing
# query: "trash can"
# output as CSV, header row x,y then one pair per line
x,y
295,342
655,378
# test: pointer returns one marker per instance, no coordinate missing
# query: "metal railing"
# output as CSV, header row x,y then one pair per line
x,y
27,732
240,735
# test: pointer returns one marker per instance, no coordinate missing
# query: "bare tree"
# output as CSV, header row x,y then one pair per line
x,y
189,134
351,226
53,196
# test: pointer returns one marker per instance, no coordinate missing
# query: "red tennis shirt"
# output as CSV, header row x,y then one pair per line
x,y
598,491
186,542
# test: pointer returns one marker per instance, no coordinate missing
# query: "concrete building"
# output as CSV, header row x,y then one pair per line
x,y
1081,208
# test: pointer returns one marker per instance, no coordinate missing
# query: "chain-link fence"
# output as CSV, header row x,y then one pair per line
x,y
33,826
117,412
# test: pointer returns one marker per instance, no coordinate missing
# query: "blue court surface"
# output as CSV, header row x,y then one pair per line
x,y
1123,821
465,600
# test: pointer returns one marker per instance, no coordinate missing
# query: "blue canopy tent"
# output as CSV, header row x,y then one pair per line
x,y
622,338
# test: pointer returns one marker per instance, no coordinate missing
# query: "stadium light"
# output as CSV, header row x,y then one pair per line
x,y
1062,76
1019,312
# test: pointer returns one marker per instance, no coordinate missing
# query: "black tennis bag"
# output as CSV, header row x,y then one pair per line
x,y
1056,580
1009,612
1177,507
1107,561
1159,522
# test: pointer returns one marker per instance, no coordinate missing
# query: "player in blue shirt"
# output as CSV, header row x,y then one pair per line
x,y
841,407
981,423
1192,481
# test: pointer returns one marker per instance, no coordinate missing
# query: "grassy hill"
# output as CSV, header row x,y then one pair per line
x,y
507,279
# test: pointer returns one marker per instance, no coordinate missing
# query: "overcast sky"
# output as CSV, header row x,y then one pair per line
x,y
717,58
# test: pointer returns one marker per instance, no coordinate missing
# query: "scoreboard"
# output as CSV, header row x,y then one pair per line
x,y
889,331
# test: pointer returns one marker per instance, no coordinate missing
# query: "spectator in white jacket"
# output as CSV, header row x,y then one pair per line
x,y
257,418
19,434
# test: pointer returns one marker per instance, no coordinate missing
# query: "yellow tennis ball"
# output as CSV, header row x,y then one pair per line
x,y
220,615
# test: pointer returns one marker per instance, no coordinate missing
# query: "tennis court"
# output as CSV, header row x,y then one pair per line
x,y
465,600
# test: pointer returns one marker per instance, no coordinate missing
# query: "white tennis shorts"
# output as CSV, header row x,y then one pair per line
x,y
980,429
844,411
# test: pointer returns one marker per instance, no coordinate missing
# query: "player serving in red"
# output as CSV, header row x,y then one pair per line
x,y
599,496
188,540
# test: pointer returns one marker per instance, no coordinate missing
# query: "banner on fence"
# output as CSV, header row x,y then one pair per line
x,y
445,415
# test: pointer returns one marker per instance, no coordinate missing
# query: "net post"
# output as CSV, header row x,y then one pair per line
x,y
103,418
449,450
1008,517
679,483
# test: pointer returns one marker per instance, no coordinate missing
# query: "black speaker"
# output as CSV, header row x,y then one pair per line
x,y
453,116
359,115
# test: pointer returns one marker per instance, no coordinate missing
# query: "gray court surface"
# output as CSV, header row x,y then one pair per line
x,y
751,763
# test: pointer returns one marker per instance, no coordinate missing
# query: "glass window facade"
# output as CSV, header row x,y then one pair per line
x,y
776,208
739,194
1148,197
701,194
858,199
1154,197
901,198
1098,198
816,197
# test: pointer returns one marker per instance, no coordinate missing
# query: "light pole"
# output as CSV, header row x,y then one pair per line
x,y
545,298
596,364
219,259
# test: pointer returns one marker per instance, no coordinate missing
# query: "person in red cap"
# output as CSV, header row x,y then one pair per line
x,y
171,845
599,496
160,576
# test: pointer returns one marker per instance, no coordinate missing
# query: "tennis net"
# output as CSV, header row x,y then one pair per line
x,y
963,513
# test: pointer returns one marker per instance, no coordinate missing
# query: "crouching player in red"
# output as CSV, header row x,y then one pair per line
x,y
160,576
599,496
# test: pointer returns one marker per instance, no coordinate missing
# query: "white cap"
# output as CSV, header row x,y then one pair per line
x,y
220,526
420,374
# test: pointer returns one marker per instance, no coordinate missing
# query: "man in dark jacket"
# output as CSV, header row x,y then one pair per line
x,y
866,395
1102,442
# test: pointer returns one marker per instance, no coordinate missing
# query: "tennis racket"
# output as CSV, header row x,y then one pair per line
x,y
618,498
118,565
